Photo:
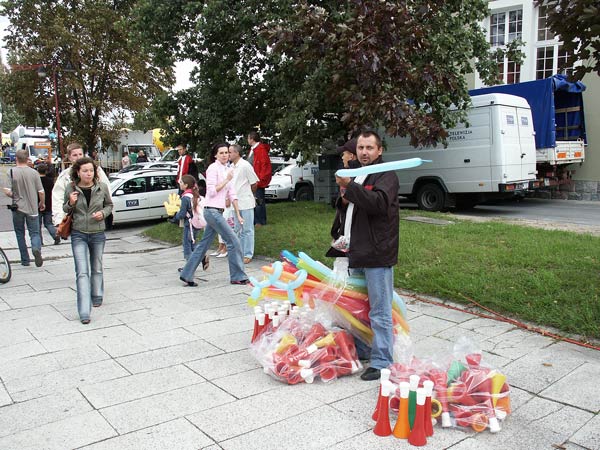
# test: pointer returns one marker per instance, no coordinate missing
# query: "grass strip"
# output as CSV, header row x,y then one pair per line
x,y
543,276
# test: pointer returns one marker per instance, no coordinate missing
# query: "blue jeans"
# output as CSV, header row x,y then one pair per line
x,y
186,239
215,223
33,227
246,232
87,251
46,221
380,287
260,211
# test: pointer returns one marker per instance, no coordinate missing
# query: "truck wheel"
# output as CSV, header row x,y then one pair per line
x,y
430,197
304,194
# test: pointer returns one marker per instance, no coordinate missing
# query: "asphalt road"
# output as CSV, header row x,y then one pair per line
x,y
572,212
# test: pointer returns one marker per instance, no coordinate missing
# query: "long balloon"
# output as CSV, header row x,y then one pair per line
x,y
383,167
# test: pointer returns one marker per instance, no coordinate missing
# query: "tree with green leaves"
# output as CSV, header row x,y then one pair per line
x,y
110,73
577,22
308,71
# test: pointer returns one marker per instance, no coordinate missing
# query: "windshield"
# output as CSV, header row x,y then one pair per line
x,y
170,155
285,169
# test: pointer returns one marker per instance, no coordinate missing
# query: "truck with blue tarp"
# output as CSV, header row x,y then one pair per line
x,y
558,120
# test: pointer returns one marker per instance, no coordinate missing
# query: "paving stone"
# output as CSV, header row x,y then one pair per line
x,y
441,439
34,314
579,388
72,432
540,368
113,392
22,350
41,331
296,432
442,313
4,397
359,406
231,342
138,344
338,389
219,366
102,337
177,434
25,300
234,419
29,387
169,356
588,436
487,327
40,411
516,343
542,416
14,334
148,411
50,362
432,346
4,306
248,383
425,325
223,327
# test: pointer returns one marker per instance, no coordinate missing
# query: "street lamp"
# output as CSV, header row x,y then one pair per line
x,y
68,68
42,71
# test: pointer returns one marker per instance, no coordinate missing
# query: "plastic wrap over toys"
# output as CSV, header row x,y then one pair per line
x,y
294,348
301,280
466,393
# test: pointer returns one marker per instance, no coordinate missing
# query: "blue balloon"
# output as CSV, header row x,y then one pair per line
x,y
383,167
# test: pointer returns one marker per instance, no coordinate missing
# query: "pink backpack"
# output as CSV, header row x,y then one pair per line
x,y
197,217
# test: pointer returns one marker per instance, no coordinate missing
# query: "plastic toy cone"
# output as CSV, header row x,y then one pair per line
x,y
402,427
498,381
454,371
347,349
317,331
323,342
382,427
286,342
259,326
384,378
417,433
428,386
412,399
503,404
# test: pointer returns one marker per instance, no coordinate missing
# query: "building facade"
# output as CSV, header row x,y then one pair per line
x,y
544,56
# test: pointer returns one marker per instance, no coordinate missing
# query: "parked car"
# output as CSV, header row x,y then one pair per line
x,y
293,182
139,195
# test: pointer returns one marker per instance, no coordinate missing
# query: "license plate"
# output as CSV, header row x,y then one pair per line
x,y
132,203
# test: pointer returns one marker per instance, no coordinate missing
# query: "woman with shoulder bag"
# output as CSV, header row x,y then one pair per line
x,y
90,203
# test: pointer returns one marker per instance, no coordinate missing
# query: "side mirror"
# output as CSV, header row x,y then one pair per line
x,y
119,192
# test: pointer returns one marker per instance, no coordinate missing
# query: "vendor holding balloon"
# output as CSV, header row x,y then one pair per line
x,y
371,238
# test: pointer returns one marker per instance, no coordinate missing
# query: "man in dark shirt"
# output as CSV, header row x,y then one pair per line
x,y
46,214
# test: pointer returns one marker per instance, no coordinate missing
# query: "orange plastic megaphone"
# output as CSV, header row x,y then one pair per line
x,y
317,331
348,349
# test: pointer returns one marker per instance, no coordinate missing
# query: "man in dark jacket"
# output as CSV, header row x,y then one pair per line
x,y
372,220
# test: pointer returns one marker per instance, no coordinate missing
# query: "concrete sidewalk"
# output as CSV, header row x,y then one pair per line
x,y
167,367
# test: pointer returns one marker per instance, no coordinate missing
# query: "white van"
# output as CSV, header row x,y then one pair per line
x,y
494,157
293,182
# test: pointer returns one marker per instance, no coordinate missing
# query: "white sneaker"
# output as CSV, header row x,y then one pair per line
x,y
221,255
215,253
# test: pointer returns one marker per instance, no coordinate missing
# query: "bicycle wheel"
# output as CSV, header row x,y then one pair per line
x,y
5,270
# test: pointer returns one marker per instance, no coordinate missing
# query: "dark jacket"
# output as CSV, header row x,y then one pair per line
x,y
375,222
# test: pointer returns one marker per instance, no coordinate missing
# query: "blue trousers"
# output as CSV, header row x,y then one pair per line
x,y
215,223
88,249
33,227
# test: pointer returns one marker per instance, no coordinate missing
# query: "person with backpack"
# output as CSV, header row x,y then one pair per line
x,y
219,188
192,214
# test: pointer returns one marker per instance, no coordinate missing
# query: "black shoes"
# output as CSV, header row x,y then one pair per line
x,y
188,283
244,282
371,374
57,240
37,255
205,263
